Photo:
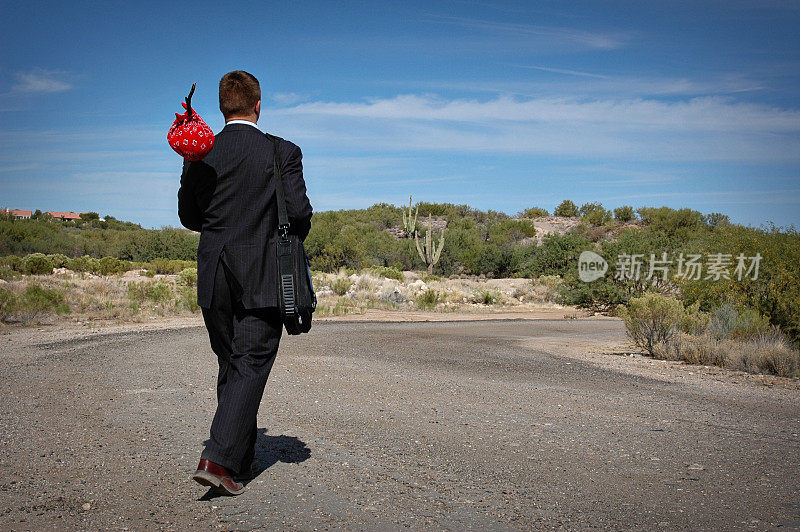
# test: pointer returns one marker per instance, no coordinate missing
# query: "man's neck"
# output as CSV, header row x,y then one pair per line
x,y
250,118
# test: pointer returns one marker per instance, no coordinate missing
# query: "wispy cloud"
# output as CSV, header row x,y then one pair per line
x,y
287,98
554,34
38,81
711,128
566,71
579,84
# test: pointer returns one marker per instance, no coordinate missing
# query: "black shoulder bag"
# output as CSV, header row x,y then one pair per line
x,y
295,289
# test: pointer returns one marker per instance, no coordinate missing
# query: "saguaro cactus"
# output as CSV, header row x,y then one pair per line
x,y
431,253
409,223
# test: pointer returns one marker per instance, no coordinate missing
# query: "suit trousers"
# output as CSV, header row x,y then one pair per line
x,y
246,343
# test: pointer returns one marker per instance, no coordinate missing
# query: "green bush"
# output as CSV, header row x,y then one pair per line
x,y
341,285
34,303
109,266
10,267
557,255
681,222
716,219
170,267
728,322
11,262
603,295
187,299
427,300
188,276
652,320
624,214
485,296
82,264
58,260
37,264
533,212
567,208
154,291
387,272
595,214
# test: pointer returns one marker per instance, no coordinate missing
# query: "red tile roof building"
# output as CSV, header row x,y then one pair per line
x,y
65,215
18,214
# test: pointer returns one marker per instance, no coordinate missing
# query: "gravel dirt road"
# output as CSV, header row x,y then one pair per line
x,y
463,425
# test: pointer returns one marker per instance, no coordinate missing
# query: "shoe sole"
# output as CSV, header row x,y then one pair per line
x,y
205,478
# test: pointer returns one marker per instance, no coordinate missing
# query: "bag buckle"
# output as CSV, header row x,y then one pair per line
x,y
283,230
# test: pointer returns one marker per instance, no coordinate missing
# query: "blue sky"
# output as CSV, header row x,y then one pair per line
x,y
499,105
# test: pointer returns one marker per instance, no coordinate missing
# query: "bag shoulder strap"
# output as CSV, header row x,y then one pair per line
x,y
283,217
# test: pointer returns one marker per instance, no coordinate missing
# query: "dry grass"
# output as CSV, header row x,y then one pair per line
x,y
368,289
768,354
126,297
139,295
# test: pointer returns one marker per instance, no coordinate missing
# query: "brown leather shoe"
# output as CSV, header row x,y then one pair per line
x,y
217,478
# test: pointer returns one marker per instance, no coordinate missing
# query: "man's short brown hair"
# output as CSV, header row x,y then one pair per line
x,y
239,92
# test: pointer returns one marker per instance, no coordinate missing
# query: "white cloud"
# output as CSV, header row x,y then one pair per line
x,y
40,81
287,98
710,128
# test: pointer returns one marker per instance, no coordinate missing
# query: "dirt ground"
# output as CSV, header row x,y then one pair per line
x,y
386,421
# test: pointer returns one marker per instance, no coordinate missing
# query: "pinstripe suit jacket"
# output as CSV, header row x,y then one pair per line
x,y
229,197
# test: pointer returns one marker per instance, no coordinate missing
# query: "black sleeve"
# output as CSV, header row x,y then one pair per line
x,y
198,182
188,211
298,206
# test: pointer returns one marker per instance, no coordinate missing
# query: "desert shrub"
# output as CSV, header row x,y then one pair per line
x,y
10,267
624,214
694,321
58,260
510,232
431,277
109,266
187,299
727,321
11,261
154,291
387,272
37,264
188,276
603,295
533,212
485,296
680,222
566,208
766,355
82,264
428,299
341,285
147,273
716,219
34,303
702,350
595,214
170,266
652,319
557,255
340,308
8,274
8,304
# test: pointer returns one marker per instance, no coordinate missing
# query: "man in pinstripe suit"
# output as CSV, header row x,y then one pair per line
x,y
229,197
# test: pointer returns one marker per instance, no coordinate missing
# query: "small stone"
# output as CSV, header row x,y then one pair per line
x,y
86,506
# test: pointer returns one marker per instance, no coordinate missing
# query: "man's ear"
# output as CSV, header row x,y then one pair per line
x,y
258,108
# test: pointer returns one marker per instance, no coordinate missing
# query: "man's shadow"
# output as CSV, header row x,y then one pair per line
x,y
269,451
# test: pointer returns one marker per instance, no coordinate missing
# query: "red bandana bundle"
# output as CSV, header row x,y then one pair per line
x,y
189,135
